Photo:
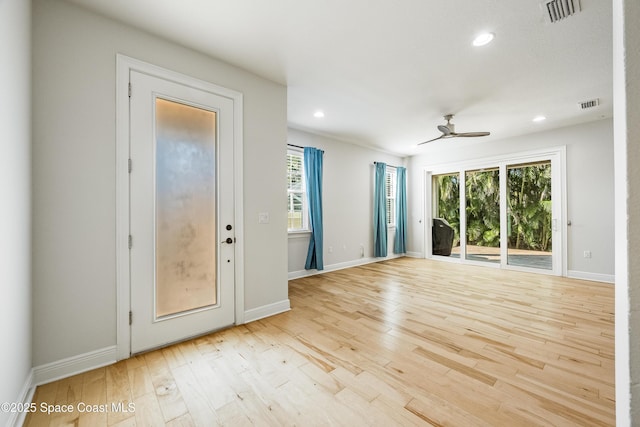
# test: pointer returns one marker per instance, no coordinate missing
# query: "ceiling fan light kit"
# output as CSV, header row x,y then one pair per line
x,y
449,131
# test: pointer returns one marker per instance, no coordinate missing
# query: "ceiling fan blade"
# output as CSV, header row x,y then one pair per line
x,y
449,131
434,139
444,129
471,134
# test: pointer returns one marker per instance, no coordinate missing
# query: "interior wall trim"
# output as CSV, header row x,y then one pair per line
x,y
339,266
73,365
26,396
415,254
594,277
267,310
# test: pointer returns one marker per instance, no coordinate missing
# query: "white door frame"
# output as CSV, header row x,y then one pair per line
x,y
558,158
124,65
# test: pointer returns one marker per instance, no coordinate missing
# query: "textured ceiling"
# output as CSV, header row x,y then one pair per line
x,y
386,71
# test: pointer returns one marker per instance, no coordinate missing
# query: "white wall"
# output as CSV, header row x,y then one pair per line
x,y
65,284
74,66
15,197
626,87
590,186
347,202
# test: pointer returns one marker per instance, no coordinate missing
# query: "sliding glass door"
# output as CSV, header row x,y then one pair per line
x,y
482,209
502,212
446,215
529,209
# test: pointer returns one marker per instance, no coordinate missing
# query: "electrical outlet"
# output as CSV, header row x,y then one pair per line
x,y
330,249
587,254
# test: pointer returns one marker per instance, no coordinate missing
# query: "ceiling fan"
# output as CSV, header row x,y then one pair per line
x,y
449,131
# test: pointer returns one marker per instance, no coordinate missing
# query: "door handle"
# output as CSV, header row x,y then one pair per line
x,y
228,240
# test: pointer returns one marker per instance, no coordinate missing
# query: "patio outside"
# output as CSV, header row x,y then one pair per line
x,y
516,257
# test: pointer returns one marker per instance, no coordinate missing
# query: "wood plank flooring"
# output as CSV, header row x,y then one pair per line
x,y
404,342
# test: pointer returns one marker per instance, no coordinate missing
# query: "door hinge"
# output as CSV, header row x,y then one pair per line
x,y
130,317
130,241
129,89
130,165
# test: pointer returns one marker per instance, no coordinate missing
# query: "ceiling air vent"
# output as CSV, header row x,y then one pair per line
x,y
555,10
589,104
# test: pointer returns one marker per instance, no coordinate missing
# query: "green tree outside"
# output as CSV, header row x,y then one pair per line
x,y
528,204
448,204
482,190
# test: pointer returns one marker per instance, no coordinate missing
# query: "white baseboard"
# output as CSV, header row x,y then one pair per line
x,y
594,277
98,358
415,255
266,310
73,365
26,396
339,266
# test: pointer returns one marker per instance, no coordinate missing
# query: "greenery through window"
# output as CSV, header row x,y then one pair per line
x,y
529,206
296,192
482,191
522,222
447,202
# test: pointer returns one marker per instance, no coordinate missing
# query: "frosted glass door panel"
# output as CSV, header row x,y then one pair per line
x,y
186,238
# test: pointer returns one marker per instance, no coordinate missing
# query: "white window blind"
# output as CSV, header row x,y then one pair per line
x,y
298,216
390,189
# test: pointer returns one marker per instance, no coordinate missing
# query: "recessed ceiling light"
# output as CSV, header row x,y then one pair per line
x,y
539,119
318,114
483,39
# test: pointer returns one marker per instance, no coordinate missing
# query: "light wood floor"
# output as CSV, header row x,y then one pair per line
x,y
402,342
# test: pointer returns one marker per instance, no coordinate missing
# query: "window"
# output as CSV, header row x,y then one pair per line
x,y
298,217
390,189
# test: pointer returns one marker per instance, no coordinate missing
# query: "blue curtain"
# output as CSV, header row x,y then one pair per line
x,y
380,212
400,242
313,175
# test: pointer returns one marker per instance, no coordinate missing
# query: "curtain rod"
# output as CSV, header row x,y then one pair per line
x,y
375,163
302,148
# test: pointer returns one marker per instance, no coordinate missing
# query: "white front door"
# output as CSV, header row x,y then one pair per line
x,y
181,211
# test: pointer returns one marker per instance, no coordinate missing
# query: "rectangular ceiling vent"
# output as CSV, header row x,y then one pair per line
x,y
556,10
589,104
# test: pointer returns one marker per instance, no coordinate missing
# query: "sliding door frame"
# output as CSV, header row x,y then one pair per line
x,y
557,156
